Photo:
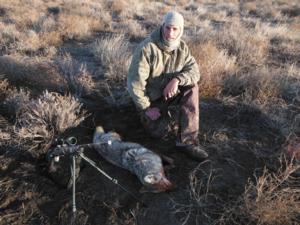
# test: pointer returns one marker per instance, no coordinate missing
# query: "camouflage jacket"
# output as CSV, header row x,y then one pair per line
x,y
152,67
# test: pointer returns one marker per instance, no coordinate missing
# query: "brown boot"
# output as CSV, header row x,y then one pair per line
x,y
196,152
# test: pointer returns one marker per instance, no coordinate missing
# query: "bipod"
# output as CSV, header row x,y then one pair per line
x,y
69,147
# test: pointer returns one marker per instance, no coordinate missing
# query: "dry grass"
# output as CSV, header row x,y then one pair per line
x,y
247,51
5,137
31,72
9,35
77,79
119,5
215,65
4,88
231,43
115,55
273,198
293,70
16,99
26,19
249,47
264,85
275,92
195,207
39,120
154,8
234,61
36,25
132,26
272,31
96,13
265,10
74,30
119,217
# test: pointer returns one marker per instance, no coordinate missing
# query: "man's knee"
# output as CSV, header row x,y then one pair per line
x,y
190,90
156,128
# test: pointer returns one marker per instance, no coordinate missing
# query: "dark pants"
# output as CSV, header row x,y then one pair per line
x,y
180,116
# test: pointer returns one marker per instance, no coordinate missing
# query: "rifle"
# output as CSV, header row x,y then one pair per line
x,y
69,147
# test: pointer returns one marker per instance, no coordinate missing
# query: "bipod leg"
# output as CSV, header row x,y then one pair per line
x,y
73,171
115,181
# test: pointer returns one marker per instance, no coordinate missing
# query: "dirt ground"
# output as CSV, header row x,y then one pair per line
x,y
232,134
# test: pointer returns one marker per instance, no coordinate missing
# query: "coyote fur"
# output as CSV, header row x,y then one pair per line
x,y
142,162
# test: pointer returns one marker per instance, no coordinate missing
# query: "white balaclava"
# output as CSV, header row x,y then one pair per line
x,y
175,19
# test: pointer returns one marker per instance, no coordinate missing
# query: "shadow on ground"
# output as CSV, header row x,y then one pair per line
x,y
239,139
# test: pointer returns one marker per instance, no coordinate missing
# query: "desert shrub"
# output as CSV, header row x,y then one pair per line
x,y
214,65
155,8
273,198
272,31
76,76
4,137
293,70
77,20
41,44
275,93
45,24
16,99
249,47
115,55
119,5
42,33
9,35
114,52
25,13
134,28
96,13
74,30
31,42
4,88
265,84
41,119
122,11
266,10
230,60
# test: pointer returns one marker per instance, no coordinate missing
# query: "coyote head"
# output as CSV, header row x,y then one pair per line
x,y
156,183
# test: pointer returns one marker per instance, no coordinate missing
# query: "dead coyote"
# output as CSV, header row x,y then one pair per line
x,y
139,160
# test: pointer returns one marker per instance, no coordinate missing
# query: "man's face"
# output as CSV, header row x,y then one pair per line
x,y
171,32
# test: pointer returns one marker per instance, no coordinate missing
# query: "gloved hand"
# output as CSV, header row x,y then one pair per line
x,y
153,113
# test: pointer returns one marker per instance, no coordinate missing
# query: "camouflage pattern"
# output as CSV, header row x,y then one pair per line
x,y
180,117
